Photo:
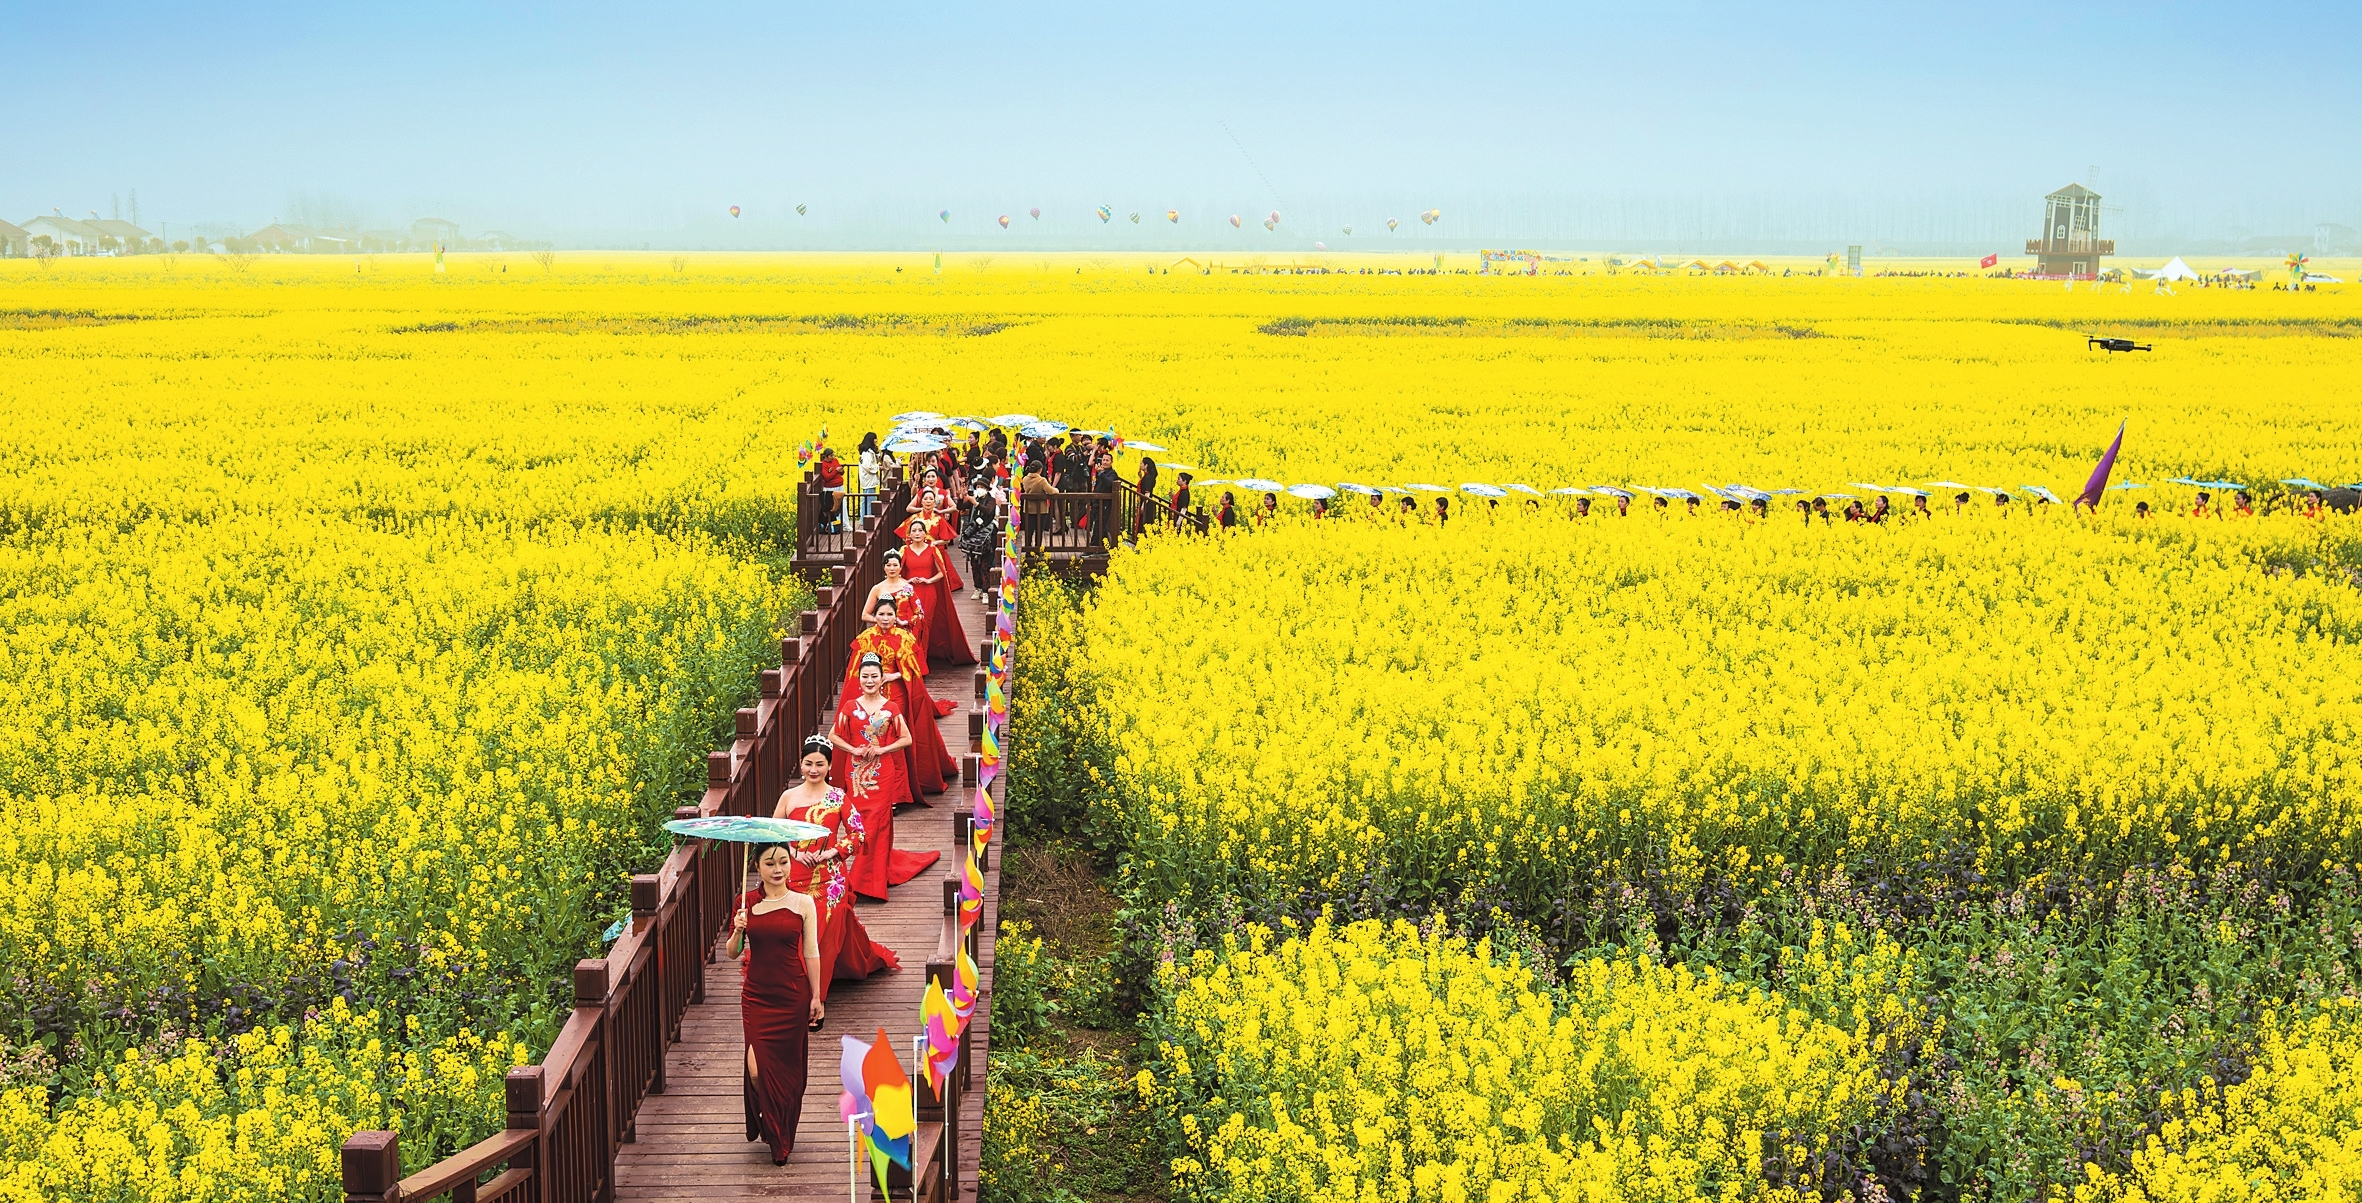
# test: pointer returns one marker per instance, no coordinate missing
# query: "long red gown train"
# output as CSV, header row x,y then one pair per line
x,y
874,787
946,639
846,951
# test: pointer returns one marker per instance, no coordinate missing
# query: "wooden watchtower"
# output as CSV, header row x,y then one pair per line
x,y
2070,244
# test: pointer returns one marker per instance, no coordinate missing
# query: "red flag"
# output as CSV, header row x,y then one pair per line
x,y
1989,260
2098,484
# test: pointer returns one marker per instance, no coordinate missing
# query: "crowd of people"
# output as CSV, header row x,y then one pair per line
x,y
797,931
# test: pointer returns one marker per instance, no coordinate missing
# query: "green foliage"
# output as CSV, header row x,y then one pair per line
x,y
1059,763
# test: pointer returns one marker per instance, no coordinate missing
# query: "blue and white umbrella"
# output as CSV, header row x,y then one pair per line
x,y
1362,490
2302,483
1518,488
1484,490
917,415
1015,420
976,424
747,829
2042,493
1312,492
1259,484
1043,430
1612,491
1427,488
1137,445
1570,492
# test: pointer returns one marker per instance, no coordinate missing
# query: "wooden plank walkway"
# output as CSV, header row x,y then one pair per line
x,y
691,1140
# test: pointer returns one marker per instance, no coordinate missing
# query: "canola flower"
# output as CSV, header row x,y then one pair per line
x,y
344,597
259,1119
2292,1131
1385,1063
349,655
1537,706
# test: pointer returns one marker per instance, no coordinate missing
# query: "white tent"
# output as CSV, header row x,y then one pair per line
x,y
2176,270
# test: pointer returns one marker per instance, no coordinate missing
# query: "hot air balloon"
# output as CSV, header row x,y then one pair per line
x,y
1269,224
733,210
946,216
1275,217
1391,223
1234,221
799,210
1173,215
1430,216
1135,219
1037,214
1004,221
1320,246
1349,231
1105,213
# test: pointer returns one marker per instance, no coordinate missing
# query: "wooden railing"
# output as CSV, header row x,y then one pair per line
x,y
567,1115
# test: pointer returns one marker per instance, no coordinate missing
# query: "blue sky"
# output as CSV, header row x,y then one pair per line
x,y
602,120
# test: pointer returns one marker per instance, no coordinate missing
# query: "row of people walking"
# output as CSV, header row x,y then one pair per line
x,y
797,931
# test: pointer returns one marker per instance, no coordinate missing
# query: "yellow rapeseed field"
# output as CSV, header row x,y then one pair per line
x,y
359,620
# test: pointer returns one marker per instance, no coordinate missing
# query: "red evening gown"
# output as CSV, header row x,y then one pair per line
x,y
846,951
932,769
874,788
945,637
776,1010
940,531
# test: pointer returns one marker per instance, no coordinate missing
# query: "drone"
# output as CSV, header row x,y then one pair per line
x,y
2111,344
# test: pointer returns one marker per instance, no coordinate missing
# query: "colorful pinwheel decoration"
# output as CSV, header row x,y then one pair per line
x,y
2296,266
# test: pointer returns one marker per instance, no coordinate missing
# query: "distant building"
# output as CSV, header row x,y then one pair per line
x,y
289,238
434,230
69,236
129,235
14,242
2070,244
2330,238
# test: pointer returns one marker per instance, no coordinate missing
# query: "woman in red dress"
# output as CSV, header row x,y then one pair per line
x,y
778,933
929,761
933,518
910,607
925,566
871,730
823,869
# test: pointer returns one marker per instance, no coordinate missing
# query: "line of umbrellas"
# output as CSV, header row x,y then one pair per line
x,y
924,431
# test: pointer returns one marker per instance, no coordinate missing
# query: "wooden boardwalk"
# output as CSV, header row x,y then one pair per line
x,y
690,1141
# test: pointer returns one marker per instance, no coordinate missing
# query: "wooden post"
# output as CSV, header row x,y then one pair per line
x,y
693,902
372,1164
982,678
975,730
648,915
522,1090
971,768
590,991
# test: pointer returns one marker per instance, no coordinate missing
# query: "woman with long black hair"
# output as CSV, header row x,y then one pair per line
x,y
776,936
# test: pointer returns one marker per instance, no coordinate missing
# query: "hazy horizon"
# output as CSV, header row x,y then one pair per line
x,y
1691,126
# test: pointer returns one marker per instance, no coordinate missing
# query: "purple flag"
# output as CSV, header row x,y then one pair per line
x,y
2098,483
